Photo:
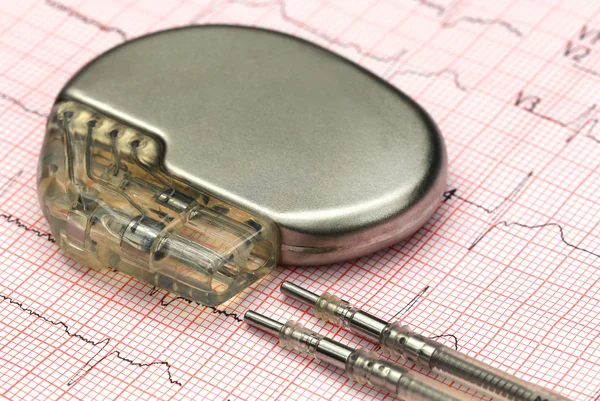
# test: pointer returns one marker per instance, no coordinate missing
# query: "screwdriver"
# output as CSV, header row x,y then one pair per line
x,y
397,339
361,365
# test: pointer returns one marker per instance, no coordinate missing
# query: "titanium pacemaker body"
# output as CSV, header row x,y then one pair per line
x,y
361,365
398,340
196,159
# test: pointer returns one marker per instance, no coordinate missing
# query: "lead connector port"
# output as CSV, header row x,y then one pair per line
x,y
110,203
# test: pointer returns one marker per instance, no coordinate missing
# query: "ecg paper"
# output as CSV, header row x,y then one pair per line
x,y
507,270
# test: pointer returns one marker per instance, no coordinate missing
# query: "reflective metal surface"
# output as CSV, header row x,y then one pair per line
x,y
273,327
362,366
397,339
298,293
341,161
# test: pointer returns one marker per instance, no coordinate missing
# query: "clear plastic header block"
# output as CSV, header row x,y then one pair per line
x,y
110,204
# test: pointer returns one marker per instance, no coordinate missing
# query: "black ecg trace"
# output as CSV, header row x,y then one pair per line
x,y
411,304
285,16
444,71
85,19
214,310
392,59
470,19
448,195
91,363
483,21
9,218
586,121
22,105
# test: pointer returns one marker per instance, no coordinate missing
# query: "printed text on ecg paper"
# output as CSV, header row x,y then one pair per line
x,y
508,270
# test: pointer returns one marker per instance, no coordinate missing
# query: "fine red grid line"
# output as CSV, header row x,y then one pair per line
x,y
441,224
550,330
51,305
499,157
401,60
316,11
257,307
337,37
160,367
529,183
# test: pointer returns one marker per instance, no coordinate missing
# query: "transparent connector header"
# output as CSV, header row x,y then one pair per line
x,y
110,204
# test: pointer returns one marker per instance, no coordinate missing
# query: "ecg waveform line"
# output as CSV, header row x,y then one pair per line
x,y
452,193
394,58
448,195
167,300
90,364
408,307
22,105
535,227
9,218
445,71
286,17
411,304
498,208
484,21
87,19
452,336
587,70
440,9
214,310
584,121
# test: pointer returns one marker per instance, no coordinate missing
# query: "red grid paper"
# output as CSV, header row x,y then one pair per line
x,y
508,265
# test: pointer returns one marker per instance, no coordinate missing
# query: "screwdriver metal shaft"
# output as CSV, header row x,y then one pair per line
x,y
397,339
361,365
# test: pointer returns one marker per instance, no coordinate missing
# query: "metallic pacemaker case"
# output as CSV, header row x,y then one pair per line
x,y
340,161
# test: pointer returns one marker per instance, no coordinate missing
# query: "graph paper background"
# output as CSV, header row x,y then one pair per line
x,y
509,266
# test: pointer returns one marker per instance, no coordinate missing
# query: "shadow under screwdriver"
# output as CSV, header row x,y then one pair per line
x,y
361,365
397,339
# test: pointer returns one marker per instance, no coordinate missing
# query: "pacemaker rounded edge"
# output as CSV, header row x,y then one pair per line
x,y
341,161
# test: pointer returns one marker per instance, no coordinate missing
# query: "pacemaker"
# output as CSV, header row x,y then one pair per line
x,y
196,159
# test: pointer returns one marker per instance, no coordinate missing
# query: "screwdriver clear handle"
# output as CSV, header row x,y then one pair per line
x,y
362,366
